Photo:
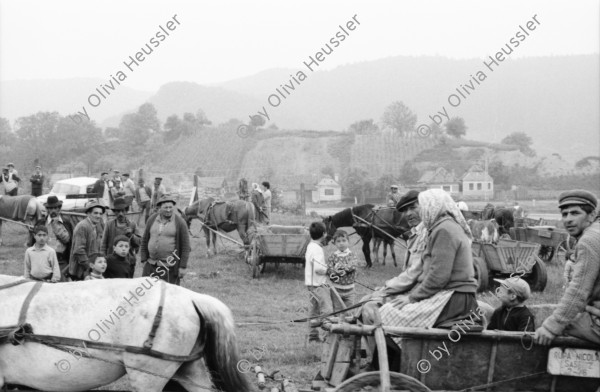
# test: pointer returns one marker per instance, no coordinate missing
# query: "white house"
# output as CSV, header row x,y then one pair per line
x,y
327,189
440,179
476,182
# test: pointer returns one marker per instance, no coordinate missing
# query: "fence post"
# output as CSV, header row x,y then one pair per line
x,y
303,198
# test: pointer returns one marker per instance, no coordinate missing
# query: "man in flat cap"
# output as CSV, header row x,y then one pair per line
x,y
37,182
129,190
578,312
165,245
393,197
87,238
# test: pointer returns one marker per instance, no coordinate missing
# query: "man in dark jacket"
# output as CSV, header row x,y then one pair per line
x,y
102,189
120,226
37,182
165,245
60,234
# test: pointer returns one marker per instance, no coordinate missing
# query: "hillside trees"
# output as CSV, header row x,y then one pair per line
x,y
257,121
409,174
522,140
363,127
355,183
190,124
400,118
136,128
456,127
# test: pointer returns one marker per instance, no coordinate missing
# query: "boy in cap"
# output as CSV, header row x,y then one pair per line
x,y
578,312
40,260
512,315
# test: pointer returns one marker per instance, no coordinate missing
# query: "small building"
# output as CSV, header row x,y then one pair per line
x,y
214,187
327,189
440,179
477,182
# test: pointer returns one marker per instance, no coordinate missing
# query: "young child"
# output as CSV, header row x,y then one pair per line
x,y
512,315
315,277
98,266
119,262
342,270
40,260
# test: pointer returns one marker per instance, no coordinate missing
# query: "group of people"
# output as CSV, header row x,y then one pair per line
x,y
11,180
94,249
261,196
437,287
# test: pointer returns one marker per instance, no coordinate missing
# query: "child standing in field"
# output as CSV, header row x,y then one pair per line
x,y
40,260
119,263
342,270
315,277
98,266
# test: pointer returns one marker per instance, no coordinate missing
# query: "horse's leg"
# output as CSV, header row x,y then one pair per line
x,y
214,241
207,235
366,248
393,253
385,245
0,232
194,377
145,381
376,245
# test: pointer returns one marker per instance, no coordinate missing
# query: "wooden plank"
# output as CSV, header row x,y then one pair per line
x,y
329,353
342,361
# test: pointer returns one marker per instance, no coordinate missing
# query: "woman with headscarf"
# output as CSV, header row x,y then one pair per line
x,y
446,290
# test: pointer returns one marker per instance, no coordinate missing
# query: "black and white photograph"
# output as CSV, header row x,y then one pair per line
x,y
300,196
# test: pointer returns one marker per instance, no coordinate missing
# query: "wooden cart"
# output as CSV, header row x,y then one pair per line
x,y
506,258
554,242
276,244
485,361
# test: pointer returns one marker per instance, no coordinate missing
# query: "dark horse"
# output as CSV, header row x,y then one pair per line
x,y
503,216
225,216
386,220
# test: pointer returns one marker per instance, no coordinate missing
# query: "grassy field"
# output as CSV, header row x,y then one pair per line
x,y
278,296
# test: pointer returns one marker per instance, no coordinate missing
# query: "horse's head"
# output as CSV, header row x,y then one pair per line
x,y
329,229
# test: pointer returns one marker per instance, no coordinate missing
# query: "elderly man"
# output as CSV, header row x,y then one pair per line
x,y
165,245
578,312
37,182
60,234
120,226
393,197
87,238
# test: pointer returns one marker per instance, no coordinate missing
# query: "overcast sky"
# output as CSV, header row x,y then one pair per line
x,y
219,41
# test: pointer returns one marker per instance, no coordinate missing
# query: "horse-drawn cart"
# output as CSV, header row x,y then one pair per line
x,y
506,258
456,360
554,241
276,244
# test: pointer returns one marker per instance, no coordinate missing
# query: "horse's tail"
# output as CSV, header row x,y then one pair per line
x,y
220,347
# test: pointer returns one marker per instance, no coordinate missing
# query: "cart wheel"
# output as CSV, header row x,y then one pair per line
x,y
562,249
481,273
369,381
538,277
255,261
546,253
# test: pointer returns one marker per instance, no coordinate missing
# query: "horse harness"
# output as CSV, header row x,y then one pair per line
x,y
23,331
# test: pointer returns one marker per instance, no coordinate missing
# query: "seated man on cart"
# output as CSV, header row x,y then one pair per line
x,y
578,312
445,292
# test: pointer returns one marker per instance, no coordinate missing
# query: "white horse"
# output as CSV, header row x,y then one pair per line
x,y
23,208
118,312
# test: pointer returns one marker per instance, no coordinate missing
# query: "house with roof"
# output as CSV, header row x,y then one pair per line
x,y
477,182
440,179
327,189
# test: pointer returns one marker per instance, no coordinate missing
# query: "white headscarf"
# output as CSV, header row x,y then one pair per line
x,y
434,203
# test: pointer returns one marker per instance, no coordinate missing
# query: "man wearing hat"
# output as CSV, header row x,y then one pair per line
x,y
143,197
37,182
11,180
578,312
120,226
101,189
165,245
60,233
87,238
393,197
